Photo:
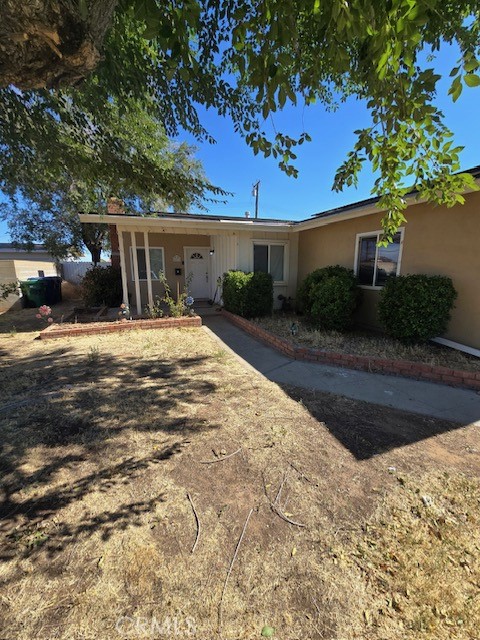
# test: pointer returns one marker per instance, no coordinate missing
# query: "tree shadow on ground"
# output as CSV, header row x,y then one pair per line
x,y
76,413
366,429
17,319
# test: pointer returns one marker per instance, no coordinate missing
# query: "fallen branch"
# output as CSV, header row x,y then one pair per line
x,y
276,509
198,523
220,459
284,517
220,604
299,472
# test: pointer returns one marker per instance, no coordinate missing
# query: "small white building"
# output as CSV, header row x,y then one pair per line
x,y
18,264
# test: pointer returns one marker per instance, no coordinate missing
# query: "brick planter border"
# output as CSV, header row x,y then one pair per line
x,y
93,328
417,370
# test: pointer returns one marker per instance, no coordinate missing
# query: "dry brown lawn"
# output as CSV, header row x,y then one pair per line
x,y
362,343
102,439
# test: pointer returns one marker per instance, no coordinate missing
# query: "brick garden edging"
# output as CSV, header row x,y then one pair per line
x,y
92,328
417,370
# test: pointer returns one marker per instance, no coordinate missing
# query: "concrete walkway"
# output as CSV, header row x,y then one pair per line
x,y
438,401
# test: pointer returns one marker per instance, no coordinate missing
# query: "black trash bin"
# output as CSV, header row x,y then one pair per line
x,y
54,289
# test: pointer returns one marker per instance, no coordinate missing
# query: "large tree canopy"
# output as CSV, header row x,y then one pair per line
x,y
62,159
247,60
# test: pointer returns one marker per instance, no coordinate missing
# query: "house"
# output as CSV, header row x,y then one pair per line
x,y
18,264
436,240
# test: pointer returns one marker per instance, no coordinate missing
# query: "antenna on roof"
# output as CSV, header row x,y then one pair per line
x,y
255,190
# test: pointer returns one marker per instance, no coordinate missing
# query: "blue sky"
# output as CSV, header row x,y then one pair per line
x,y
232,165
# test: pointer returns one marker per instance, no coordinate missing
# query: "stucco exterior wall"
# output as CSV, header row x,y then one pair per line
x,y
437,240
173,245
21,266
233,250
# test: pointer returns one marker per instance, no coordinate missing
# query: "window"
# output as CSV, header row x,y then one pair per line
x,y
270,258
373,264
156,262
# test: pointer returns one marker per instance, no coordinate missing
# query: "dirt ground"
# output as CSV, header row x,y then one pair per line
x,y
332,519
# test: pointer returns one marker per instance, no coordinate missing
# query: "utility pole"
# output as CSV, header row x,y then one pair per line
x,y
255,193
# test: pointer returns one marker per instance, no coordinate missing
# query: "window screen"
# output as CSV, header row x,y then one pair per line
x,y
377,264
260,258
270,258
156,263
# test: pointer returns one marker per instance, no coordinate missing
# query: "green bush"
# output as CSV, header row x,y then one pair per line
x,y
102,286
259,295
329,296
233,291
416,308
248,294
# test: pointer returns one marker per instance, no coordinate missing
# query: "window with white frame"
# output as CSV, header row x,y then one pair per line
x,y
374,265
157,262
269,257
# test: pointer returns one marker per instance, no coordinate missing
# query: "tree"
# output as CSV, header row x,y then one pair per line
x,y
53,168
249,59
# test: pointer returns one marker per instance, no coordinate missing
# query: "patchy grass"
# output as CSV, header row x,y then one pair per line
x,y
103,436
367,344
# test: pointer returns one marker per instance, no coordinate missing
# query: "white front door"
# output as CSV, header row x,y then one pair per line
x,y
197,270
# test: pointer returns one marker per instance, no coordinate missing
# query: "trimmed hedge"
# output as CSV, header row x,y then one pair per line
x,y
329,297
416,308
102,286
248,294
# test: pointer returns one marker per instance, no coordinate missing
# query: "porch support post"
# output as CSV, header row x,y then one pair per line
x,y
123,266
135,273
149,271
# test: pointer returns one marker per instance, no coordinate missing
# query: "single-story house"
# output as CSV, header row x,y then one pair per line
x,y
436,240
18,264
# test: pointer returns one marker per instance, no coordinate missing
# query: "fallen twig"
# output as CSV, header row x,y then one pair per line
x,y
276,509
198,522
277,498
220,604
220,459
299,472
284,517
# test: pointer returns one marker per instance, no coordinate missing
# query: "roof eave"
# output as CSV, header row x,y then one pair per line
x,y
142,222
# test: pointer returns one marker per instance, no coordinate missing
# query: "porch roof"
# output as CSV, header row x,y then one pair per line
x,y
209,223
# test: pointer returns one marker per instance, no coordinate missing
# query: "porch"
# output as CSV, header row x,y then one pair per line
x,y
197,261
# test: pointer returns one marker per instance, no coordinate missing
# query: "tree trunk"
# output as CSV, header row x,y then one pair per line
x,y
96,254
47,43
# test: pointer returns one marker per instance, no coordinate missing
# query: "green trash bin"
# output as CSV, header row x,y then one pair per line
x,y
34,292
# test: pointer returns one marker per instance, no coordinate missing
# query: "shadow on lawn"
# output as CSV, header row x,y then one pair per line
x,y
366,429
77,415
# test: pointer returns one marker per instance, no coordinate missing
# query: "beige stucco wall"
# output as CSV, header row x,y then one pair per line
x,y
29,268
233,249
173,244
437,240
13,268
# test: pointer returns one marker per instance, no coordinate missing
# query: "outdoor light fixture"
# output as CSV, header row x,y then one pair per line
x,y
212,252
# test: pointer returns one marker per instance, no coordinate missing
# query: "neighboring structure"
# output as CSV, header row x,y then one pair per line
x,y
18,264
436,240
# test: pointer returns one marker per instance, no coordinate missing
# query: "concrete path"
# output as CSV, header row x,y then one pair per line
x,y
438,401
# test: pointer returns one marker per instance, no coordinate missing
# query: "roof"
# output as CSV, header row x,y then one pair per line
x,y
361,207
169,215
10,246
474,171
